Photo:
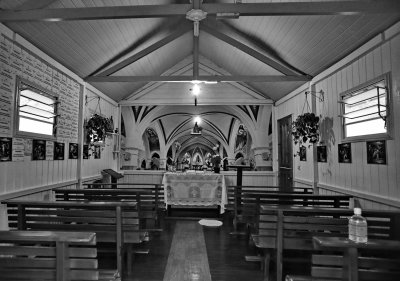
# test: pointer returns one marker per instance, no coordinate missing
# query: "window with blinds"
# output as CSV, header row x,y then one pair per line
x,y
36,111
365,110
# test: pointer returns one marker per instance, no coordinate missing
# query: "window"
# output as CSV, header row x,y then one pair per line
x,y
365,110
36,111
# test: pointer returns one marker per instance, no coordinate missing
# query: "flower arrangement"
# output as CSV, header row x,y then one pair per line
x,y
305,129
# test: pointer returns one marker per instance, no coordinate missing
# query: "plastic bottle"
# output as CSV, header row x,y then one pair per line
x,y
358,231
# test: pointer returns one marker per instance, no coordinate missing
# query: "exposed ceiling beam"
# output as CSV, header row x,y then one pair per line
x,y
35,4
177,33
212,101
97,13
250,51
245,9
306,8
209,78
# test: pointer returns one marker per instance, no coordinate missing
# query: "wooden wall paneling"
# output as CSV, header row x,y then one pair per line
x,y
388,184
377,62
355,75
348,168
369,59
341,86
386,60
334,131
363,69
395,59
357,156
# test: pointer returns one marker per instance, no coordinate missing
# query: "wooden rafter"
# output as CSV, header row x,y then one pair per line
x,y
248,9
210,78
250,51
177,33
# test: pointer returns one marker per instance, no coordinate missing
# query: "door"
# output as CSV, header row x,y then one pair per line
x,y
285,154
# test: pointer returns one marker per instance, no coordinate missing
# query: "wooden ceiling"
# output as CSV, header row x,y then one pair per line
x,y
145,53
271,47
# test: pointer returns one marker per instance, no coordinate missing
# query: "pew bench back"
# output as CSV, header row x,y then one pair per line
x,y
98,217
293,228
235,191
149,200
60,256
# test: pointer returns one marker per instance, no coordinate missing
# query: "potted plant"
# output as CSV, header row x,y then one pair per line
x,y
305,129
97,127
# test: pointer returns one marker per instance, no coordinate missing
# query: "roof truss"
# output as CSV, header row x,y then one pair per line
x,y
248,9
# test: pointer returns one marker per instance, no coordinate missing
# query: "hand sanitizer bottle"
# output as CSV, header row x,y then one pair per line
x,y
358,230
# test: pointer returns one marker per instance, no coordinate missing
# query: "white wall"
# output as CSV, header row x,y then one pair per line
x,y
374,183
20,58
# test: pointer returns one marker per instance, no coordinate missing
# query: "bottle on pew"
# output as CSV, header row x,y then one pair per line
x,y
358,230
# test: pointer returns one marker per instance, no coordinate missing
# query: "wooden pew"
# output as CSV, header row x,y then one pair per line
x,y
375,260
149,200
113,222
50,255
234,192
292,228
247,204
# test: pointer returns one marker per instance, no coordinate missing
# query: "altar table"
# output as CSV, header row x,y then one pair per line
x,y
195,189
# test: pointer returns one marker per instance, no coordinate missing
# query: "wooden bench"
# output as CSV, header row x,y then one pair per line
x,y
247,204
49,255
292,228
234,192
376,260
149,200
113,222
157,190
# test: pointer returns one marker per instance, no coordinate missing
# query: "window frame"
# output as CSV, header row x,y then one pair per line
x,y
44,92
382,136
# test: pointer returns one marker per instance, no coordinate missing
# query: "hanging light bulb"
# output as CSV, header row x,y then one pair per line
x,y
196,89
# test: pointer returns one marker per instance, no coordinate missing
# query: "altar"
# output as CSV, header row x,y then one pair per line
x,y
195,189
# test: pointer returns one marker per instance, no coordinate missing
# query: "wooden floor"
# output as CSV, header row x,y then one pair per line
x,y
223,252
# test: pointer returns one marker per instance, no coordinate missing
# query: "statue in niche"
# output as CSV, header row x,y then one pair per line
x,y
154,143
241,138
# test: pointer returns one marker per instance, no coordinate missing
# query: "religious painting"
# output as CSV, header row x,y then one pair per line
x,y
5,149
344,152
241,138
38,150
303,153
59,150
321,153
73,151
97,152
154,143
85,152
376,152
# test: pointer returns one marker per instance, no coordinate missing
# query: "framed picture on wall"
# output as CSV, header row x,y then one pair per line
x,y
321,153
73,151
85,152
5,149
344,152
376,152
303,153
59,150
38,150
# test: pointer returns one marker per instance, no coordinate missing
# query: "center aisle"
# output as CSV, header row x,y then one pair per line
x,y
187,258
